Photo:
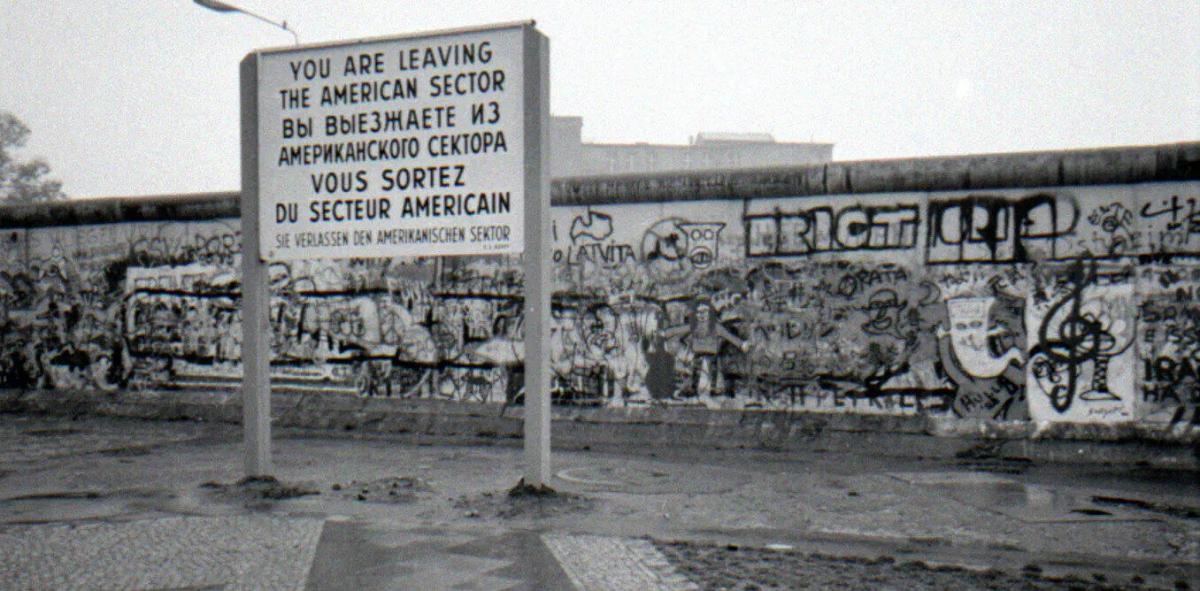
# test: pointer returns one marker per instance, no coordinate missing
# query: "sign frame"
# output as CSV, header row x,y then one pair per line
x,y
409,145
256,329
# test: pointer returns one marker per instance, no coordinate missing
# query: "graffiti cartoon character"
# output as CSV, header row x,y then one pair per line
x,y
970,332
705,336
987,384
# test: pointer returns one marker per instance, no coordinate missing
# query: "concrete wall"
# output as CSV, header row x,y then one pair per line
x,y
1039,288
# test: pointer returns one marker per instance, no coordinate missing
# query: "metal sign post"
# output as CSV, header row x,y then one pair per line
x,y
256,302
432,144
538,281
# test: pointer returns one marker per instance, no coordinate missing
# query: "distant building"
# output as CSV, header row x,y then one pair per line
x,y
707,151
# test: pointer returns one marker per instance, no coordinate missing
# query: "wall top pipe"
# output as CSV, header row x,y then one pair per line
x,y
1103,166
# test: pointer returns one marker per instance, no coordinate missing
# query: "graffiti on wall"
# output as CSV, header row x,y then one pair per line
x,y
1071,305
62,325
981,342
157,306
832,229
1082,360
1171,222
1169,344
741,329
992,229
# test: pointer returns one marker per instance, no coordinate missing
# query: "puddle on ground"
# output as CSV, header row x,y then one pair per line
x,y
46,510
51,432
85,505
656,480
1030,503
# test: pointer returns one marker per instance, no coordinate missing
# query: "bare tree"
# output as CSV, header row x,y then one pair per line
x,y
22,181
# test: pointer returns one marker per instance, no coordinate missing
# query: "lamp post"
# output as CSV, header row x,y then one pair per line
x,y
217,6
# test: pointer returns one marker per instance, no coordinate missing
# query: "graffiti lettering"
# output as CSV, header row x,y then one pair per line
x,y
1180,217
824,229
998,229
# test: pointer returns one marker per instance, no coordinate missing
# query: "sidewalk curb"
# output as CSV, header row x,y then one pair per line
x,y
936,552
574,428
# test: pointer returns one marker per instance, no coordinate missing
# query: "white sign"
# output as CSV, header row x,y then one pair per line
x,y
393,147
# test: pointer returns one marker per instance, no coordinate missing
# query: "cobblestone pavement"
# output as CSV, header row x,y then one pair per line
x,y
601,563
733,568
237,552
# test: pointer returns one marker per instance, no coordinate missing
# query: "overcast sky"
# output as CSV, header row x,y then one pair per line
x,y
130,97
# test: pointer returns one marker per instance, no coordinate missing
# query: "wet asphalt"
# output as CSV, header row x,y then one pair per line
x,y
408,513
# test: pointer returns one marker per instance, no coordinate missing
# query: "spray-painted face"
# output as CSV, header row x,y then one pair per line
x,y
969,323
702,241
970,320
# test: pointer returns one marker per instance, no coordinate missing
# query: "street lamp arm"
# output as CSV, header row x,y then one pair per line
x,y
218,6
282,25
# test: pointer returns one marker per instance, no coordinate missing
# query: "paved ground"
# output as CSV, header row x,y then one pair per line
x,y
104,503
244,552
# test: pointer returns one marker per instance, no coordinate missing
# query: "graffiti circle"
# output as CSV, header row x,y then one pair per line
x,y
665,249
664,241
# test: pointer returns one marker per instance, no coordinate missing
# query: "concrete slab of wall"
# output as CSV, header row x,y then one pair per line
x,y
1037,289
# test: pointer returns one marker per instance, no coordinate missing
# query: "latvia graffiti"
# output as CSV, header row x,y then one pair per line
x,y
1068,305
